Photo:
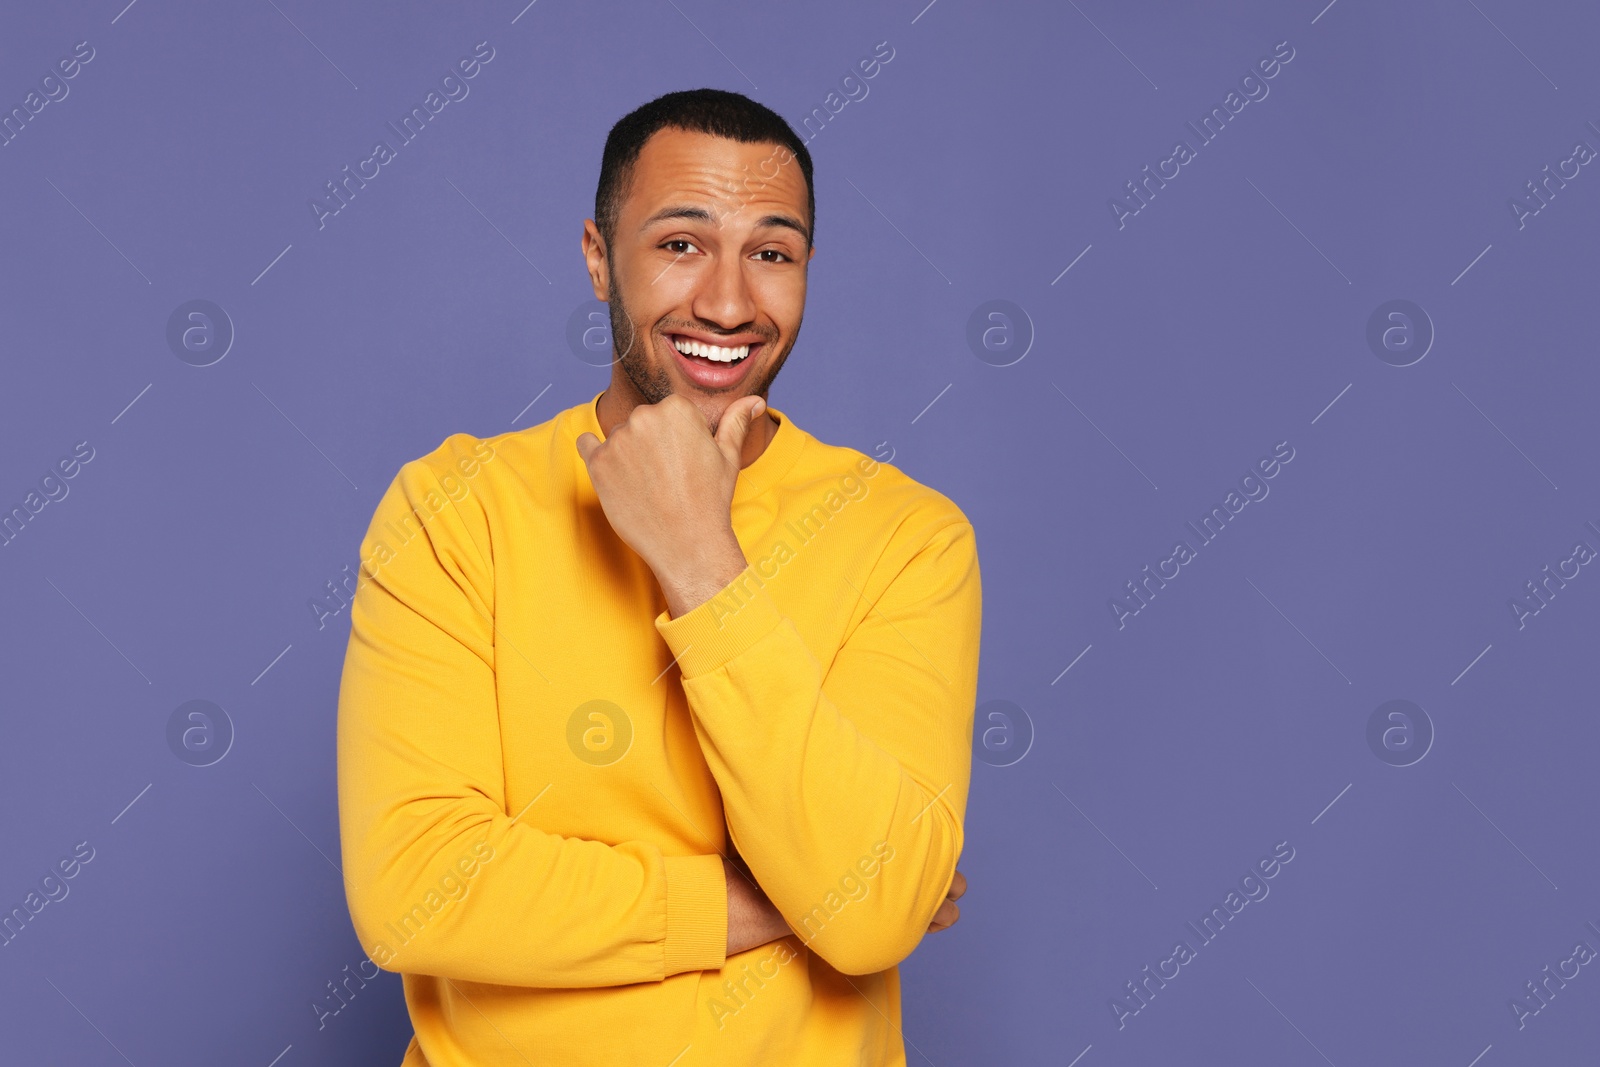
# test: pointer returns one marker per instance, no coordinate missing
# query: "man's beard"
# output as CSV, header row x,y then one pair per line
x,y
633,349
652,383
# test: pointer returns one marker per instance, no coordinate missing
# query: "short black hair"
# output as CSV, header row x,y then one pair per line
x,y
714,111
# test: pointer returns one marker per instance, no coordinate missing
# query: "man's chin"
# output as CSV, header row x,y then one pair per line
x,y
710,407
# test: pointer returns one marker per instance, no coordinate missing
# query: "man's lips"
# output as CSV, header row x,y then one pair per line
x,y
712,373
716,349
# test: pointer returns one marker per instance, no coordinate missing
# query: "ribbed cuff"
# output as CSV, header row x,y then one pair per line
x,y
740,614
697,914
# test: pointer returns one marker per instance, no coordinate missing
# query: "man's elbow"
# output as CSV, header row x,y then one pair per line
x,y
373,922
401,894
870,958
867,947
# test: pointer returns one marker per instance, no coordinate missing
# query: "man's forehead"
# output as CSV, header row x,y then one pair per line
x,y
688,167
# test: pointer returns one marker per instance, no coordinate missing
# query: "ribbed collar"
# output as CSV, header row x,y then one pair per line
x,y
769,467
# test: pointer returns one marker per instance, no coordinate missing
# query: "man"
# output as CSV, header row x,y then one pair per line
x,y
655,722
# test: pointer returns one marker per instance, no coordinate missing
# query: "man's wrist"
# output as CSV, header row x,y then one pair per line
x,y
697,578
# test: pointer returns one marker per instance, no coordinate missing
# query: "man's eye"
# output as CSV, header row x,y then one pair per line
x,y
774,252
687,246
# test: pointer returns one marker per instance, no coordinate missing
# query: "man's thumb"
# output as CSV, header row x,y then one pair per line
x,y
587,443
735,423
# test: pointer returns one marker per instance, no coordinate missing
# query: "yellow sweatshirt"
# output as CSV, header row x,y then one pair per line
x,y
539,769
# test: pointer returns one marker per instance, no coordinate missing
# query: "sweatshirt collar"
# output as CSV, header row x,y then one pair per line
x,y
769,467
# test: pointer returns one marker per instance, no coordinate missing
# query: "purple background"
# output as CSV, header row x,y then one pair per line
x,y
1228,315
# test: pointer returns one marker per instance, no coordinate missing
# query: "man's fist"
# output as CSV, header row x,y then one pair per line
x,y
666,486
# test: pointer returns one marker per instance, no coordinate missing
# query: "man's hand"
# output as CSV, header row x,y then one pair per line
x,y
753,920
666,486
948,913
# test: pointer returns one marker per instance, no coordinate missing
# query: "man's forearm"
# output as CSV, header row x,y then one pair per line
x,y
808,787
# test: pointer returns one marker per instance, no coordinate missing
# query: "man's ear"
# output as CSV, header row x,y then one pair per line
x,y
595,258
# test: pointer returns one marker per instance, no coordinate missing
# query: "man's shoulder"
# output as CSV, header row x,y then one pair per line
x,y
484,461
452,495
839,477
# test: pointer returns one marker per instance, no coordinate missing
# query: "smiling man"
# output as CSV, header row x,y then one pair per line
x,y
655,722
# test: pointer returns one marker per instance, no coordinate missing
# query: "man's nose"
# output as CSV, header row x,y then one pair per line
x,y
724,296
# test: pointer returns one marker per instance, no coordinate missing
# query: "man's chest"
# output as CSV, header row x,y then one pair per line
x,y
598,741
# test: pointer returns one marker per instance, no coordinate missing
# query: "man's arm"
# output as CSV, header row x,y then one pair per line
x,y
844,791
753,921
843,787
421,787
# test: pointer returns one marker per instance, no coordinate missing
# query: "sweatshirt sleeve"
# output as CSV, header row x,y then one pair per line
x,y
440,878
845,784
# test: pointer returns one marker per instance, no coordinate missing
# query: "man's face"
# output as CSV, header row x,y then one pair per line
x,y
710,249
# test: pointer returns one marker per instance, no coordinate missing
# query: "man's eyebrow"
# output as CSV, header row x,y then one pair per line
x,y
681,211
786,221
700,214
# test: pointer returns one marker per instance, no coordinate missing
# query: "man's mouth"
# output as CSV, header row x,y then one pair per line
x,y
710,353
713,367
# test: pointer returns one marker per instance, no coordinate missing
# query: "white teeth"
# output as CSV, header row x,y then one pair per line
x,y
716,353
